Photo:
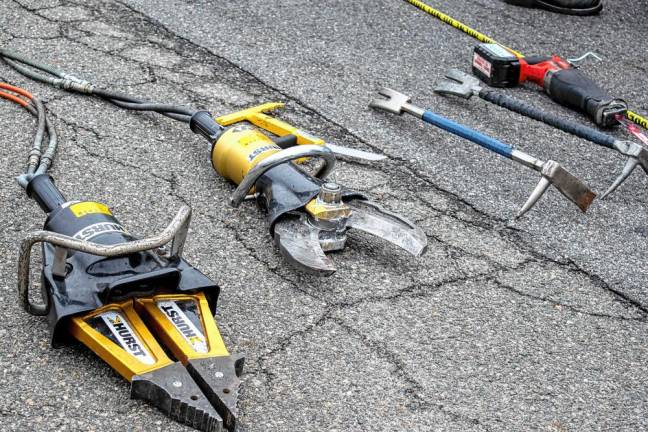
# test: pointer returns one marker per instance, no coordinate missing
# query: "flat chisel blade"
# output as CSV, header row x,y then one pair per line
x,y
569,185
350,153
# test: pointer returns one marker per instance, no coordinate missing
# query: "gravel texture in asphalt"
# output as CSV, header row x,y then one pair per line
x,y
534,324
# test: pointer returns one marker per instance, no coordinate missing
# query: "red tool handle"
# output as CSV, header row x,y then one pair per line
x,y
572,88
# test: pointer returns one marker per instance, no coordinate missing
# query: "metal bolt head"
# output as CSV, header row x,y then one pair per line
x,y
219,374
330,193
177,384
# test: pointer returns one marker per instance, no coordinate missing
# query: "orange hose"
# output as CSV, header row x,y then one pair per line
x,y
16,90
14,98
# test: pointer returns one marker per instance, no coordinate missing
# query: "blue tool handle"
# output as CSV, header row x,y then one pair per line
x,y
470,134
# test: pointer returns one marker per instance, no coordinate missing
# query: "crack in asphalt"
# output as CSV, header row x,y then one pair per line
x,y
553,302
420,402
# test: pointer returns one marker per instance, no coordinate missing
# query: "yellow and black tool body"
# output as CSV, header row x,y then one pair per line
x,y
125,298
95,274
307,214
259,163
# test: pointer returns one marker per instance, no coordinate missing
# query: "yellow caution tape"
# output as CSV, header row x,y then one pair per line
x,y
459,25
641,121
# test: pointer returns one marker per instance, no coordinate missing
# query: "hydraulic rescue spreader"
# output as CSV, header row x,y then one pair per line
x,y
129,300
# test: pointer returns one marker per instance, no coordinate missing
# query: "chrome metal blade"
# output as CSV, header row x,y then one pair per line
x,y
374,220
298,242
361,155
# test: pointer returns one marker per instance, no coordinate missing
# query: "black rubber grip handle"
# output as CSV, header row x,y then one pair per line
x,y
203,123
534,113
42,189
573,89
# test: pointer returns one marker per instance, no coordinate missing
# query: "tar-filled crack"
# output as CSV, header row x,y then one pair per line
x,y
76,128
416,391
32,10
553,302
255,255
284,342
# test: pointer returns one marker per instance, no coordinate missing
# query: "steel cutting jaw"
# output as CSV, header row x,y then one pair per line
x,y
172,390
218,378
298,242
373,219
303,239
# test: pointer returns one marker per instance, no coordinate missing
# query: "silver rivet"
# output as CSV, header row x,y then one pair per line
x,y
177,384
219,374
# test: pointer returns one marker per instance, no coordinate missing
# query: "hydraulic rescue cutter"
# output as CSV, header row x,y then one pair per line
x,y
307,214
135,302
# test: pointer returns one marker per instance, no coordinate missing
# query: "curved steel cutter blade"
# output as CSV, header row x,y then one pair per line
x,y
373,219
298,242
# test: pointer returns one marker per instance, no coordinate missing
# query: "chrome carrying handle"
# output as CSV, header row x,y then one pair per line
x,y
278,158
175,232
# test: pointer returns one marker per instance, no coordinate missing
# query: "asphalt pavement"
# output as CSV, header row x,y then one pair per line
x,y
536,324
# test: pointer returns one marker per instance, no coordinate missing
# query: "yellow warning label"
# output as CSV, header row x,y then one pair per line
x,y
89,207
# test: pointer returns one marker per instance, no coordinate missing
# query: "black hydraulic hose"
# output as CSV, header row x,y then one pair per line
x,y
37,162
42,66
48,156
35,153
71,83
56,82
151,106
